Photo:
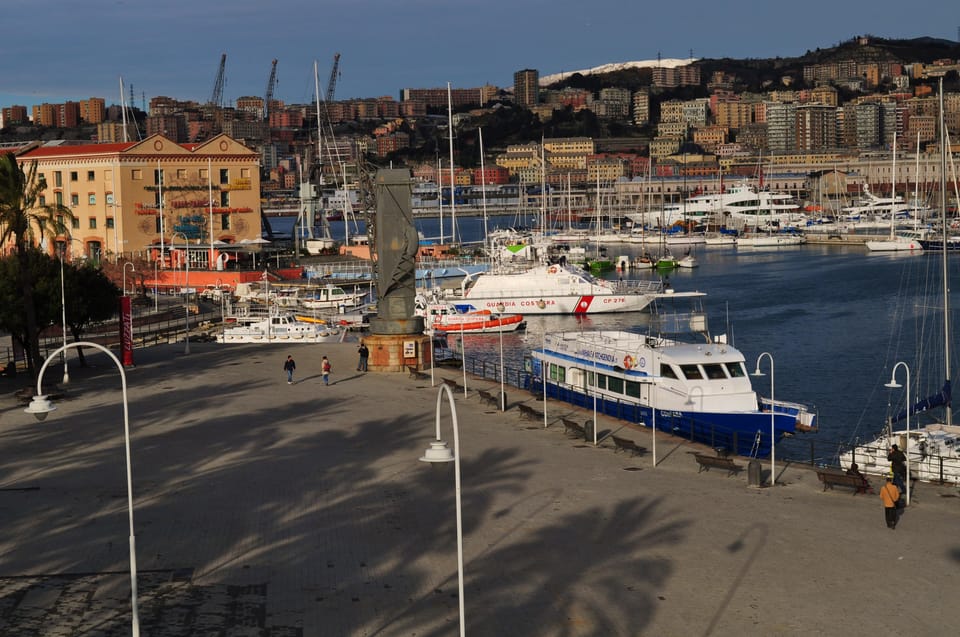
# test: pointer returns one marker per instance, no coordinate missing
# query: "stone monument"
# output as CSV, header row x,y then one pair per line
x,y
396,339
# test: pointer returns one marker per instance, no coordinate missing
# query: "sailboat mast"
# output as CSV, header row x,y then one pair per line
x,y
893,187
316,85
943,219
453,198
483,190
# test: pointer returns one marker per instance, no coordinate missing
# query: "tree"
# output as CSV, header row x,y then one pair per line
x,y
45,306
91,297
24,219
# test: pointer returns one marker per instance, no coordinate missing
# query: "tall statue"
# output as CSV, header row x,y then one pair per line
x,y
396,244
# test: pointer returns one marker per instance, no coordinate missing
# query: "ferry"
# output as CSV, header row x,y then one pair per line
x,y
557,288
696,390
279,328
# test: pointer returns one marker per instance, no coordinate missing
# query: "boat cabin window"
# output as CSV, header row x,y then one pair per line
x,y
691,372
736,370
558,374
615,384
714,371
632,389
667,371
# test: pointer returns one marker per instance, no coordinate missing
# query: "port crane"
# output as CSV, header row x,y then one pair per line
x,y
271,85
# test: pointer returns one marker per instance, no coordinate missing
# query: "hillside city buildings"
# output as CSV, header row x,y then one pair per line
x,y
837,117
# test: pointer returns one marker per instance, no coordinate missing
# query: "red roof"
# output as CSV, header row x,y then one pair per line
x,y
82,149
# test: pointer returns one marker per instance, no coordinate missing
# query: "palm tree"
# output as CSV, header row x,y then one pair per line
x,y
24,219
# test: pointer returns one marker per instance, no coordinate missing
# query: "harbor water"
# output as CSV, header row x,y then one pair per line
x,y
834,319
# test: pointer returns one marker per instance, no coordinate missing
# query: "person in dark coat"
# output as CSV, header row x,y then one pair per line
x,y
898,464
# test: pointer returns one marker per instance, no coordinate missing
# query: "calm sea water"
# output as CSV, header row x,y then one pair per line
x,y
835,319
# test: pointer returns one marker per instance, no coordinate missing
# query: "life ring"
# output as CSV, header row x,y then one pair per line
x,y
629,362
541,304
553,269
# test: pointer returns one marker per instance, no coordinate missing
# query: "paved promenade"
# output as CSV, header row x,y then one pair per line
x,y
273,510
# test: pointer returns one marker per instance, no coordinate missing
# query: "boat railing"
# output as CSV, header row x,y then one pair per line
x,y
638,286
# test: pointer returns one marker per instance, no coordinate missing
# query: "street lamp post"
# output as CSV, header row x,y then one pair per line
x,y
893,384
133,268
40,406
156,300
503,398
773,439
186,297
63,318
440,452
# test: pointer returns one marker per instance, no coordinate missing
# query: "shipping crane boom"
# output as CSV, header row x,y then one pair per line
x,y
217,98
332,84
271,84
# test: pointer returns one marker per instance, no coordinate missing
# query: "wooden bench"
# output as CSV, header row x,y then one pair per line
x,y
573,428
625,444
488,398
859,484
415,373
720,462
452,384
529,412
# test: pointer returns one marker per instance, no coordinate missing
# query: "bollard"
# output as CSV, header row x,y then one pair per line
x,y
754,473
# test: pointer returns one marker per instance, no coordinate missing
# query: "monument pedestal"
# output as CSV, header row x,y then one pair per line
x,y
396,352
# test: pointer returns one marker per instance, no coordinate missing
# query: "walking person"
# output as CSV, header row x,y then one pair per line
x,y
890,494
288,367
325,370
898,464
364,356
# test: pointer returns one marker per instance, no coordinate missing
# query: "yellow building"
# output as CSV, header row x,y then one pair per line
x,y
129,196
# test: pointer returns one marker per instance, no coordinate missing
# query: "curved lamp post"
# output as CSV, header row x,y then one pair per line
x,y
773,439
440,452
186,297
41,405
63,319
893,384
133,268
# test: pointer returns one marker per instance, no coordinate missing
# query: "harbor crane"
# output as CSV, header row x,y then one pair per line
x,y
217,98
332,84
271,85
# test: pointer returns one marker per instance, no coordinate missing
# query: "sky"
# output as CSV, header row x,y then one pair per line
x,y
57,50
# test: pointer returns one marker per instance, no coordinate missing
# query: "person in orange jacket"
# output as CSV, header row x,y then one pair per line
x,y
889,493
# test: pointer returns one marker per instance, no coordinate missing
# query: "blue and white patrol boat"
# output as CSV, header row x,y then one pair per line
x,y
699,388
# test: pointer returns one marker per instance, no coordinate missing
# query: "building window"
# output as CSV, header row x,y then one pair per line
x,y
91,199
245,173
224,176
158,225
89,175
73,175
181,173
57,179
93,223
225,198
136,174
75,223
203,174
158,177
109,198
60,226
74,199
43,201
224,222
110,223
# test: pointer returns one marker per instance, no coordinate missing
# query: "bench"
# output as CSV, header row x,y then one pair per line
x,y
720,462
859,484
488,398
452,384
625,444
529,412
573,428
415,373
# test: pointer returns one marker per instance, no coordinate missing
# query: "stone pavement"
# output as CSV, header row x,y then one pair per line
x,y
265,509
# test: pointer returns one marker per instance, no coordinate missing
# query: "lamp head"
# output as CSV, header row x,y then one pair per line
x,y
893,384
757,372
438,452
40,406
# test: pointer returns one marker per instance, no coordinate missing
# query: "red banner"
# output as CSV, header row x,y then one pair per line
x,y
126,332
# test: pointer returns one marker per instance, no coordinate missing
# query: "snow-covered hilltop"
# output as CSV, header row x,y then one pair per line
x,y
618,66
